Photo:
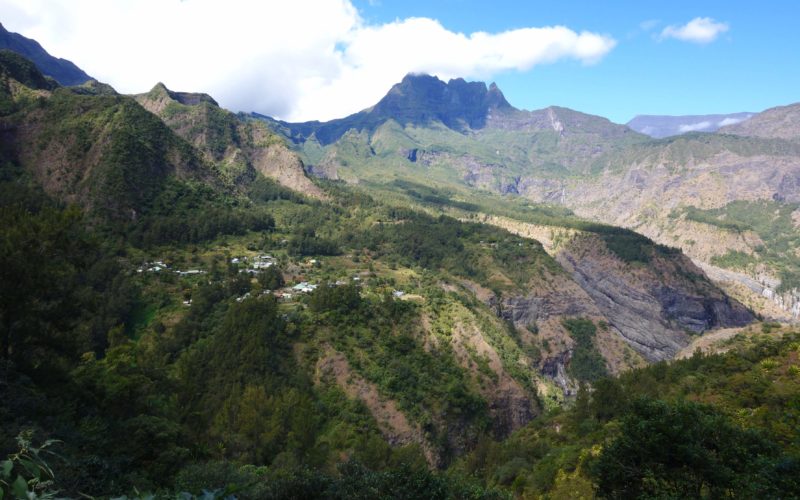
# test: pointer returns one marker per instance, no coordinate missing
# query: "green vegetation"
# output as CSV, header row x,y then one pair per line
x,y
190,325
271,278
734,259
114,174
351,480
704,427
688,450
772,222
109,353
431,196
264,190
189,213
627,245
586,365
379,341
12,65
26,473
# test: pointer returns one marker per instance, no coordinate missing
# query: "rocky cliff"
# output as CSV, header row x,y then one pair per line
x,y
655,306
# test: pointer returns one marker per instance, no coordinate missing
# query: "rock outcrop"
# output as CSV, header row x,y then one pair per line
x,y
654,307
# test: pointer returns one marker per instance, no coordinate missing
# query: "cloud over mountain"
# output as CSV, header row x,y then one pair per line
x,y
694,127
299,59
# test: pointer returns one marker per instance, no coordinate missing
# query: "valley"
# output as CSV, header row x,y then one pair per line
x,y
441,293
742,176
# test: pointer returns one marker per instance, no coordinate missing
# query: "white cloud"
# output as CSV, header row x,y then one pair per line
x,y
694,127
731,121
298,59
698,30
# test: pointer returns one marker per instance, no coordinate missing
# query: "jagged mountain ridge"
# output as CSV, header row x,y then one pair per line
x,y
416,100
437,335
113,157
492,145
63,71
603,171
422,100
95,148
227,128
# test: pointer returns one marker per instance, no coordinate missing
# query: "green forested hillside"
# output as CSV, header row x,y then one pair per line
x,y
169,327
714,426
146,392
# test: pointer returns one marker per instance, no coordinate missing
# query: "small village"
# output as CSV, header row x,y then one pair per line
x,y
302,278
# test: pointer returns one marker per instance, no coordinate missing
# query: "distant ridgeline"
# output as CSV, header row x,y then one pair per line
x,y
63,71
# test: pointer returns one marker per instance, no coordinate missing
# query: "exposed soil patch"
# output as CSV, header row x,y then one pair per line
x,y
392,422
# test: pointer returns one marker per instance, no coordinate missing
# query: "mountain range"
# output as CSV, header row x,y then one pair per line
x,y
710,194
440,281
660,126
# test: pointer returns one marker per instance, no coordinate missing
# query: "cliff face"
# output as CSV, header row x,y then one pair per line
x,y
277,162
655,306
418,100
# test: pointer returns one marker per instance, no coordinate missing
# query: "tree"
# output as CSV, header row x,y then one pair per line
x,y
271,278
682,450
42,257
343,299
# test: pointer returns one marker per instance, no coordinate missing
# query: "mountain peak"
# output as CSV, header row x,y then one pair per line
x,y
160,90
420,99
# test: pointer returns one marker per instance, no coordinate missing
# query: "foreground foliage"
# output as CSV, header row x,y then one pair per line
x,y
706,427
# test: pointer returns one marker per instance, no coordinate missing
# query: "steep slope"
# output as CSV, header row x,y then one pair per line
x,y
651,296
240,147
103,152
726,200
247,335
660,126
782,122
16,70
63,71
639,425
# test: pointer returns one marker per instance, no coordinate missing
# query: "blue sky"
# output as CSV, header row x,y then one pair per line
x,y
321,59
753,66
